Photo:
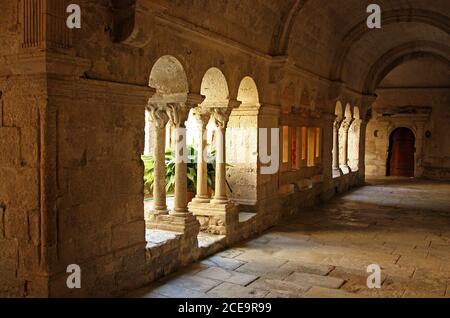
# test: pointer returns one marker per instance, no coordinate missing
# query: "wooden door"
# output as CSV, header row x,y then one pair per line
x,y
402,149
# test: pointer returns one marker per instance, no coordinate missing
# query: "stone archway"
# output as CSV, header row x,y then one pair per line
x,y
344,138
354,140
171,105
242,144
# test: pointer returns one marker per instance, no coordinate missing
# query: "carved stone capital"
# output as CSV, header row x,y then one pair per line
x,y
337,124
158,115
202,116
357,122
178,114
221,116
346,123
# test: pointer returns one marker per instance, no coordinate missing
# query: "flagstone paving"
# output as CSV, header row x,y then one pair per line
x,y
401,225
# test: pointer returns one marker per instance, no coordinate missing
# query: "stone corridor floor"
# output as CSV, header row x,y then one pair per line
x,y
403,225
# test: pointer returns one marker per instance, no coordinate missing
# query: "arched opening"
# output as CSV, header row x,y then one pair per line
x,y
248,92
344,139
242,144
216,107
400,161
354,140
203,134
338,112
214,86
169,79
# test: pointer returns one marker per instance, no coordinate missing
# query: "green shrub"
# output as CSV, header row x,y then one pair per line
x,y
149,169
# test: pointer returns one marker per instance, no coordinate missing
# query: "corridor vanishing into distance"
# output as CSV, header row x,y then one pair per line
x,y
401,224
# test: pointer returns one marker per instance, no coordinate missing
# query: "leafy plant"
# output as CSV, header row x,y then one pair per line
x,y
149,169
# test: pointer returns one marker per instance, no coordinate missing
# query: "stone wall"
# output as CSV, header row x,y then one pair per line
x,y
72,133
242,155
21,105
420,110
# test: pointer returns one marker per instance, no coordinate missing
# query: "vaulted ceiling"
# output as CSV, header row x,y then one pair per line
x,y
328,37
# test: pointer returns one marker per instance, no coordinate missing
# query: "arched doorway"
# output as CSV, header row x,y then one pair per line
x,y
401,153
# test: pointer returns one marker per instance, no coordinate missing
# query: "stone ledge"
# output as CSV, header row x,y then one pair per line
x,y
245,216
157,238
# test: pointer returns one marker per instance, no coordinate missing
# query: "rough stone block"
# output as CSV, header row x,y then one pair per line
x,y
16,224
8,256
2,223
227,276
175,291
222,262
72,148
196,283
309,268
316,280
20,113
9,147
128,177
229,290
28,260
126,145
280,286
29,141
321,292
128,234
90,183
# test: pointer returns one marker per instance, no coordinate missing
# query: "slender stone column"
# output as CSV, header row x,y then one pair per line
x,y
221,116
159,118
345,126
178,114
202,196
336,126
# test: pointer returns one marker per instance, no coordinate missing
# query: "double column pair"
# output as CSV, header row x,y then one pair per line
x,y
221,117
160,115
340,158
177,114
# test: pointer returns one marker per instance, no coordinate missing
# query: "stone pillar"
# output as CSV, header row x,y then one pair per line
x,y
362,151
355,130
178,114
221,116
159,119
336,170
202,196
345,126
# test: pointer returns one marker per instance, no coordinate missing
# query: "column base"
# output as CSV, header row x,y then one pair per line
x,y
187,225
201,200
149,215
337,173
220,201
345,169
219,219
180,212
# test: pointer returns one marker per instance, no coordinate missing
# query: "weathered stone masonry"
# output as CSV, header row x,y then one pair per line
x,y
72,117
